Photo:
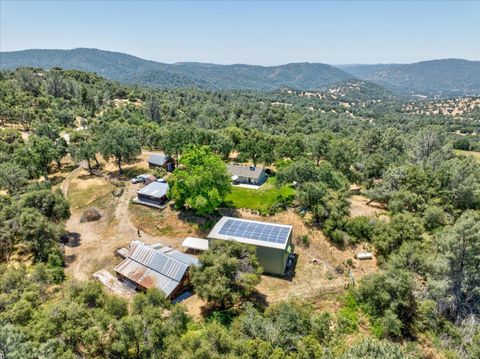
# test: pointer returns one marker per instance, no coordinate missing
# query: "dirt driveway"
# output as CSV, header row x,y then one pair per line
x,y
92,245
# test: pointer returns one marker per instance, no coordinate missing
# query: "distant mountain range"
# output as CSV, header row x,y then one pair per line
x,y
450,77
437,77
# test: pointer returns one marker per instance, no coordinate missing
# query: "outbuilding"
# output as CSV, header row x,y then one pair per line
x,y
254,175
153,194
163,267
157,160
273,241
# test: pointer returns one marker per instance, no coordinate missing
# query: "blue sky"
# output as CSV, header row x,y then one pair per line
x,y
265,33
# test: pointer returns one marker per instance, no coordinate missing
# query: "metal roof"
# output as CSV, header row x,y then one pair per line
x,y
155,189
158,159
195,243
182,257
245,171
150,268
146,277
157,261
262,234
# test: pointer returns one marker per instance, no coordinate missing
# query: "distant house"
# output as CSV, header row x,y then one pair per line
x,y
161,267
153,194
159,160
247,174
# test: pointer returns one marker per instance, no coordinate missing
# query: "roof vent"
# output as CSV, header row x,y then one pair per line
x,y
252,168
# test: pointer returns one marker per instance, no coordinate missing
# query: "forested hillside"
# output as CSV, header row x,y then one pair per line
x,y
440,78
421,300
131,69
444,78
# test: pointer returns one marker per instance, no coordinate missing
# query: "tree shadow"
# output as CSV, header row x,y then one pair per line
x,y
55,180
70,259
259,300
72,239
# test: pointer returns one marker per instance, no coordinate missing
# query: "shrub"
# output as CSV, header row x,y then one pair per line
x,y
303,241
361,228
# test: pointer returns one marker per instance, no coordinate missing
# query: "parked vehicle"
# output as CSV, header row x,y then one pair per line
x,y
139,179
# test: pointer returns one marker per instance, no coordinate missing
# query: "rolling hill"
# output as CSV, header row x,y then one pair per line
x,y
131,69
448,77
441,78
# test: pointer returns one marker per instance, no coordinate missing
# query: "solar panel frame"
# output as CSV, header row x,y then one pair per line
x,y
257,231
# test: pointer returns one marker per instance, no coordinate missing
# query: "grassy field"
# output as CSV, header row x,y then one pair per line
x,y
473,154
258,199
96,195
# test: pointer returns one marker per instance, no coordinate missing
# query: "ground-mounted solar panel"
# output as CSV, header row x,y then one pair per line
x,y
252,230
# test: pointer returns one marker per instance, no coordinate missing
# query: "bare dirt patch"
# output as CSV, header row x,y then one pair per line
x,y
359,206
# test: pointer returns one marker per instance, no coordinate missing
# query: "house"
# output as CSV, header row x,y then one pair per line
x,y
162,267
153,194
247,174
273,241
159,160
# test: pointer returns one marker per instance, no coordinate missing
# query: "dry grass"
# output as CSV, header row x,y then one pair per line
x,y
475,155
359,207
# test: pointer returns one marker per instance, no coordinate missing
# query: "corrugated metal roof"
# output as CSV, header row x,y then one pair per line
x,y
158,159
155,189
146,277
150,267
182,257
245,171
157,261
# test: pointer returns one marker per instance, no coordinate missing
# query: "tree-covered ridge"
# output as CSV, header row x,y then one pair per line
x,y
443,78
422,300
437,78
131,69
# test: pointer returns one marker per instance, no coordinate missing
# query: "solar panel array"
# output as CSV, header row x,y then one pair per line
x,y
257,231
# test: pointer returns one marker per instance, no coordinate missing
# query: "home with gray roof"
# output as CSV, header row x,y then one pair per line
x,y
157,160
254,175
159,267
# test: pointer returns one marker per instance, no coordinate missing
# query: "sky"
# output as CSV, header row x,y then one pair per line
x,y
252,32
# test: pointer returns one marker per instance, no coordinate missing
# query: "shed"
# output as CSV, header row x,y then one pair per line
x,y
160,160
247,174
146,267
273,241
153,194
198,244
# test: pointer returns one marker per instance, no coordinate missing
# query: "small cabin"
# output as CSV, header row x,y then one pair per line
x,y
157,160
153,194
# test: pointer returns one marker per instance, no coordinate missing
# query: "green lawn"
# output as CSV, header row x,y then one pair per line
x,y
258,199
473,154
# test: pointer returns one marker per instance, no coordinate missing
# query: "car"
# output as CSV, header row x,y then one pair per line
x,y
139,179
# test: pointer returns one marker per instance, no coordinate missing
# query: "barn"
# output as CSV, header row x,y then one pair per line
x,y
273,241
147,267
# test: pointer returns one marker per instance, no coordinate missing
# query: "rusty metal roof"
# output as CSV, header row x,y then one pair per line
x,y
150,268
146,277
